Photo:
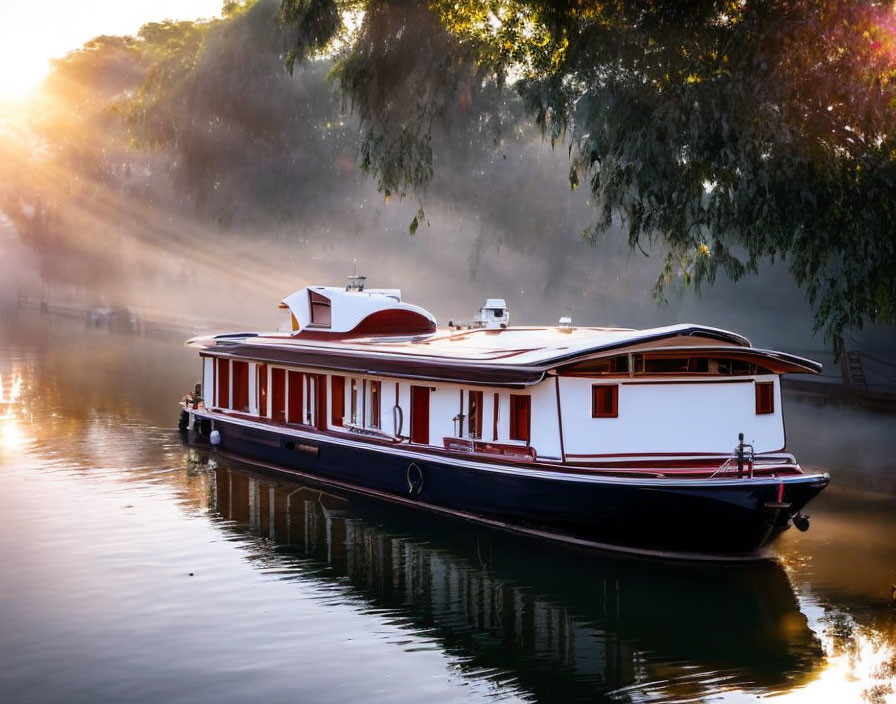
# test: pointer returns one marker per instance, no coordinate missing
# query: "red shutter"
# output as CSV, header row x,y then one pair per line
x,y
320,400
240,386
420,414
474,414
520,407
278,394
605,401
223,367
295,398
337,399
765,397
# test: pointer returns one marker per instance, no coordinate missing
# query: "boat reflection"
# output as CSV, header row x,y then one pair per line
x,y
563,622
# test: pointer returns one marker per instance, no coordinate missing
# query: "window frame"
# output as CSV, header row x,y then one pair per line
x,y
277,377
518,404
605,410
474,414
320,310
374,399
765,398
337,400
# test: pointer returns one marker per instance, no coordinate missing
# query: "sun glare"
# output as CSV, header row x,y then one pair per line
x,y
33,33
19,73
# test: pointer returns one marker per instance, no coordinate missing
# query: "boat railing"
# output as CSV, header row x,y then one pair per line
x,y
744,462
367,431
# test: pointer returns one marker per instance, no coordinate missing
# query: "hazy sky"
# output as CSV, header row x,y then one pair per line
x,y
34,31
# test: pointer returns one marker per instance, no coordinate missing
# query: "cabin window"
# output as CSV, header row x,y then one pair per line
x,y
320,309
223,369
765,397
240,386
474,414
374,394
295,393
520,407
665,365
420,414
278,394
605,401
741,368
495,408
310,399
319,398
353,401
337,399
261,389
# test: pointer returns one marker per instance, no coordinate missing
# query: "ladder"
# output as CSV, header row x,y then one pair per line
x,y
853,374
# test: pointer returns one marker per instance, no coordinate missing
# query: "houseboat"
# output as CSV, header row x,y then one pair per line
x,y
667,441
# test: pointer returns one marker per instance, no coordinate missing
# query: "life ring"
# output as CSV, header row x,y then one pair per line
x,y
414,476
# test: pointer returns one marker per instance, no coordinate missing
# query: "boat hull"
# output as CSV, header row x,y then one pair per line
x,y
721,518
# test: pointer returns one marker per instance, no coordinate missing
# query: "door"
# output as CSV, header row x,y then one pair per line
x,y
278,394
294,396
420,414
520,408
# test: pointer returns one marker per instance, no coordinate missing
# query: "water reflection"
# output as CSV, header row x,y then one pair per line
x,y
566,624
90,462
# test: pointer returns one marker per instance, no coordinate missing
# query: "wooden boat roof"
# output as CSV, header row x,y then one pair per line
x,y
513,357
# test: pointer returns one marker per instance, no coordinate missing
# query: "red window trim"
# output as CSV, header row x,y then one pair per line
x,y
337,400
765,397
521,417
261,389
605,410
278,393
222,383
420,400
474,421
239,374
295,382
321,311
376,400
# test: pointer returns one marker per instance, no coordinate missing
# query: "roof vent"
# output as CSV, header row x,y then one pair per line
x,y
355,283
494,314
565,324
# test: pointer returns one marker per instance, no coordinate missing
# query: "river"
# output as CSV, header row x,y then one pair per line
x,y
136,568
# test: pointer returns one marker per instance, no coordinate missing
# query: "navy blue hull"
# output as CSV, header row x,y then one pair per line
x,y
718,517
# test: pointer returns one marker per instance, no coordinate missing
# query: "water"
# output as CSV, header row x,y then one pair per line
x,y
137,569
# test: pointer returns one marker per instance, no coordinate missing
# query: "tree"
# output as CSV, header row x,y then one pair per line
x,y
729,133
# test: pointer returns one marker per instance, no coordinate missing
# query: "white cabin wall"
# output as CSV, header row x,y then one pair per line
x,y
404,400
253,388
443,407
388,414
677,417
208,380
488,414
544,432
503,416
